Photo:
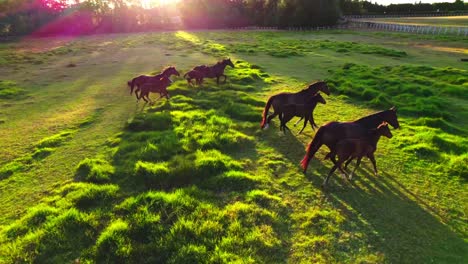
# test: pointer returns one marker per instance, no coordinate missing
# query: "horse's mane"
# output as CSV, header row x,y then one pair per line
x,y
367,119
167,68
311,85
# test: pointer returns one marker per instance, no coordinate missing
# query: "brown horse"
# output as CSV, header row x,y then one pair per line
x,y
194,74
348,149
140,80
332,132
278,101
303,110
215,71
159,86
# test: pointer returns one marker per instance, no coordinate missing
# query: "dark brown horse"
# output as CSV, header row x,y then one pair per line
x,y
332,132
194,74
278,101
215,71
302,110
348,149
159,86
140,80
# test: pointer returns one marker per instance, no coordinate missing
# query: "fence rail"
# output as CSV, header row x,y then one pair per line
x,y
415,29
363,25
434,14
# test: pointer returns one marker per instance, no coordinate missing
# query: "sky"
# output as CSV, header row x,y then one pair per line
x,y
387,2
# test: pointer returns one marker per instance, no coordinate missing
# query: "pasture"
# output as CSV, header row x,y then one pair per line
x,y
448,21
88,174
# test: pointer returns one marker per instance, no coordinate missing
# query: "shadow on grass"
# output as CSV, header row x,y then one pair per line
x,y
394,222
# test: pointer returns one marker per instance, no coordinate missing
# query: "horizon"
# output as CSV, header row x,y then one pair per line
x,y
388,2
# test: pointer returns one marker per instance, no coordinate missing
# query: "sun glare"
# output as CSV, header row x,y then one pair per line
x,y
154,3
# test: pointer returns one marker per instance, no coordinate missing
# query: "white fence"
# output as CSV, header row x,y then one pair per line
x,y
415,29
362,25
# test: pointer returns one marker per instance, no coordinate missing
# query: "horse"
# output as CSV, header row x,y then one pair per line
x,y
278,101
140,80
215,71
303,110
347,149
159,86
194,74
332,132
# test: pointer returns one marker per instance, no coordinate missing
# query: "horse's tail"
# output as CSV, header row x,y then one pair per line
x,y
131,84
185,75
312,148
265,112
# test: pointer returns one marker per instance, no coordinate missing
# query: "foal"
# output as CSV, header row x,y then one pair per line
x,y
348,149
302,110
194,74
155,87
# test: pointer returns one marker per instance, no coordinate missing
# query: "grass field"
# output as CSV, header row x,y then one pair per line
x,y
88,175
450,21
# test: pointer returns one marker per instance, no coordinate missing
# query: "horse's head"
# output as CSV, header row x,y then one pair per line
x,y
384,130
318,86
391,117
320,98
171,71
228,62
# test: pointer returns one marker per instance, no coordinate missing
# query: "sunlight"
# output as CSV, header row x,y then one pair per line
x,y
155,3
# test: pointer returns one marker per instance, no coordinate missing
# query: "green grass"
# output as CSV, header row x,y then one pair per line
x,y
88,175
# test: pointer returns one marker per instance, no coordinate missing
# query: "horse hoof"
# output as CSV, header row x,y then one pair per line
x,y
266,127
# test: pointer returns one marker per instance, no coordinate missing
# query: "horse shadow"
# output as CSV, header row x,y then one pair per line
x,y
395,221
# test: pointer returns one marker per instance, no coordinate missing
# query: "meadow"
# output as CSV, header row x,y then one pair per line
x,y
449,21
89,175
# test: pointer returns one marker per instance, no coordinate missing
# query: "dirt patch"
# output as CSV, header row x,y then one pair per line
x,y
444,49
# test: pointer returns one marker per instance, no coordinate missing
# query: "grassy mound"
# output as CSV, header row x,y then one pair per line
x,y
10,90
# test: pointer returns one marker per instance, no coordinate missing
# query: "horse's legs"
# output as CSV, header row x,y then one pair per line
x,y
348,162
142,95
217,80
303,127
285,119
270,117
298,121
225,78
136,93
325,182
312,122
372,158
357,165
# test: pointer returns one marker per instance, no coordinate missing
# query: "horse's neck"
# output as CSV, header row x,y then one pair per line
x,y
165,74
371,121
220,66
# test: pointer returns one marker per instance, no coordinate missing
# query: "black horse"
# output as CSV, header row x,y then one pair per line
x,y
215,71
282,100
142,79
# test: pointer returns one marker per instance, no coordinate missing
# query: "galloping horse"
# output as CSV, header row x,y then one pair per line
x,y
215,71
140,80
303,110
194,74
279,101
347,149
332,132
159,86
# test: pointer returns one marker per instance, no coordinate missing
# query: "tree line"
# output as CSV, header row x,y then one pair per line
x,y
359,7
52,17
